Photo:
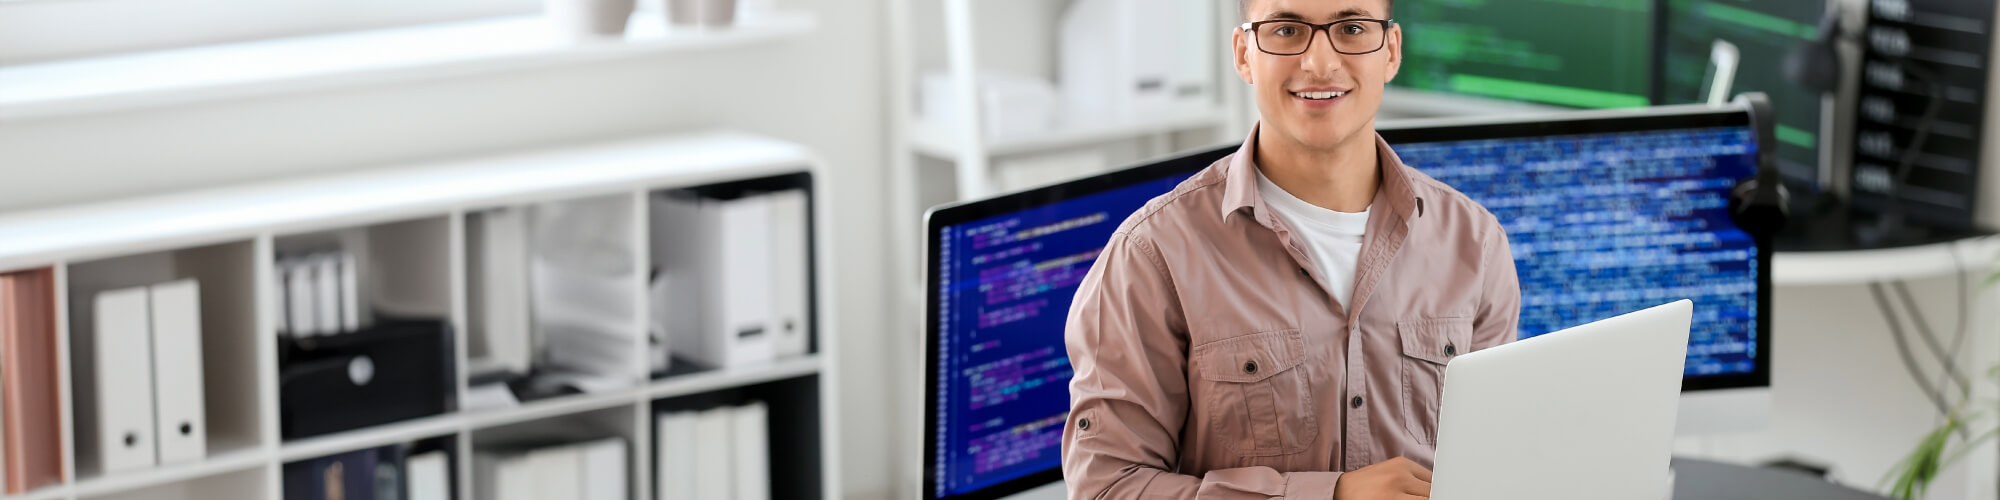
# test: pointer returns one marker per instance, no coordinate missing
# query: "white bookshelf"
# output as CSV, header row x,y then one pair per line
x,y
962,38
230,236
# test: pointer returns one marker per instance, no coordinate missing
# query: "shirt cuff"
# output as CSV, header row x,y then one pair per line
x,y
1310,485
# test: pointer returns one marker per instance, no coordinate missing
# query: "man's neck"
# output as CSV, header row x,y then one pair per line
x,y
1342,178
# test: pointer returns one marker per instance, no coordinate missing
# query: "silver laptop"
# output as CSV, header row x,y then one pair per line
x,y
1585,413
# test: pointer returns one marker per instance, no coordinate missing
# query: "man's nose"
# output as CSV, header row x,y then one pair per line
x,y
1320,60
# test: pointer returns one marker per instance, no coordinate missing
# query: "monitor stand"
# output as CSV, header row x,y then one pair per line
x,y
1052,491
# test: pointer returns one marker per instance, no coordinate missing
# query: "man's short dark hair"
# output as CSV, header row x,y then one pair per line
x,y
1243,8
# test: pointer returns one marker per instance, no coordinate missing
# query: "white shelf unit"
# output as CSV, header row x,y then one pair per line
x,y
967,37
937,163
229,237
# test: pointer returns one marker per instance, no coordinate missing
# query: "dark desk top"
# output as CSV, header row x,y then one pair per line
x,y
1830,227
1696,479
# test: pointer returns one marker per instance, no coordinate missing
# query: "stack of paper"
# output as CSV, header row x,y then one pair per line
x,y
583,273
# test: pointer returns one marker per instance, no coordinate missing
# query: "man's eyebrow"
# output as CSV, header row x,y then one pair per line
x,y
1286,15
1352,13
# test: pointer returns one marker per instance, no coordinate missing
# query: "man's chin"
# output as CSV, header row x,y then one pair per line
x,y
1321,137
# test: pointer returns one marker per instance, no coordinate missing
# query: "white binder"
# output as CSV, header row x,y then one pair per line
x,y
715,460
327,297
123,381
299,290
180,421
558,471
603,471
675,440
430,479
716,264
753,456
790,274
745,330
350,293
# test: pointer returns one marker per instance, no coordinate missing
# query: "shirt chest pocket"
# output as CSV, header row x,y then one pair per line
x,y
1255,395
1428,344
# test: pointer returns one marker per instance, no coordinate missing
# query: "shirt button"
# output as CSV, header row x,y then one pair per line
x,y
1083,424
1356,402
1250,367
1450,350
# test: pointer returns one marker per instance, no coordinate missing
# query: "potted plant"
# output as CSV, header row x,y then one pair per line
x,y
1968,424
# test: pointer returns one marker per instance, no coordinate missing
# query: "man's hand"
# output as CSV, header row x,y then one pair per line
x,y
1394,479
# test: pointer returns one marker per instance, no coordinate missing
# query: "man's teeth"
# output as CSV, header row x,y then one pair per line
x,y
1319,96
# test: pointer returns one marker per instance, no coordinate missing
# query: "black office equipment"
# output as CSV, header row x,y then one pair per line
x,y
394,371
1765,33
1921,111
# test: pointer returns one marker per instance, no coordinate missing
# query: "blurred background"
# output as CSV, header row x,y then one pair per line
x,y
606,249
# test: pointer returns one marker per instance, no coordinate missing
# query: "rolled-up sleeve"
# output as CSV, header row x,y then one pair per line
x,y
1498,318
1128,343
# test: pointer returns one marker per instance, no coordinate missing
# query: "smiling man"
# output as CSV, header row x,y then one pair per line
x,y
1278,325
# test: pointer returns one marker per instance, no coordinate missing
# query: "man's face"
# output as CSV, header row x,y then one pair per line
x,y
1291,89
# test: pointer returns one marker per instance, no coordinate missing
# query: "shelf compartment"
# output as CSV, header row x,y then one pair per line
x,y
733,274
500,453
371,468
225,275
553,292
792,431
401,271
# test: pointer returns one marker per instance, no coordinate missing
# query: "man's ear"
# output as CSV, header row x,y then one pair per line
x,y
1240,40
1395,49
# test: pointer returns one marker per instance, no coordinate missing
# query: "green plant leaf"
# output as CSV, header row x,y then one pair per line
x,y
1912,476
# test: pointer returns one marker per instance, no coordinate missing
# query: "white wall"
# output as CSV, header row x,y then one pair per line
x,y
1840,393
825,92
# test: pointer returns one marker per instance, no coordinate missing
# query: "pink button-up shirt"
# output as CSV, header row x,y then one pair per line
x,y
1213,362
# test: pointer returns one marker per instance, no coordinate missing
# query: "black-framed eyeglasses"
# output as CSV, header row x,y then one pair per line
x,y
1347,36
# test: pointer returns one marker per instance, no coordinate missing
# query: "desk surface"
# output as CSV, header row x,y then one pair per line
x,y
1886,264
1696,479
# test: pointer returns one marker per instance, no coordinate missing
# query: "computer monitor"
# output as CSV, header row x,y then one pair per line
x,y
1607,212
1763,33
1529,50
1001,274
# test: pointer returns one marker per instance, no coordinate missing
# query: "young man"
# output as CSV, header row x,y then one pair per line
x,y
1278,325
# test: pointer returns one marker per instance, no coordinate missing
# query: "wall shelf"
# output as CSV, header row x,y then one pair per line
x,y
941,141
326,62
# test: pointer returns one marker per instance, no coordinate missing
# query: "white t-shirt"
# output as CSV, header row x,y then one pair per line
x,y
1333,238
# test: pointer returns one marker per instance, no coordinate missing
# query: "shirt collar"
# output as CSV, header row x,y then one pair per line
x,y
1239,185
